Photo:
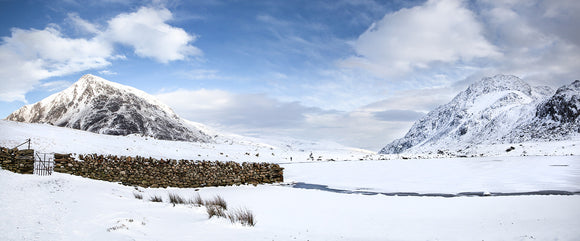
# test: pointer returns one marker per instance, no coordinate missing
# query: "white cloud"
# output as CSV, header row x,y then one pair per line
x,y
538,39
420,100
202,74
60,55
107,72
409,39
55,85
192,101
241,110
359,129
398,115
83,25
258,114
18,75
441,42
148,33
29,56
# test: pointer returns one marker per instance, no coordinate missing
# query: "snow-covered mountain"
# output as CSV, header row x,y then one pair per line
x,y
499,109
100,106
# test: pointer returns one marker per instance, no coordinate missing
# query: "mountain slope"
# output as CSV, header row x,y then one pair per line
x,y
496,109
100,106
555,118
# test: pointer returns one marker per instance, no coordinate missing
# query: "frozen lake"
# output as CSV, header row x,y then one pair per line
x,y
449,176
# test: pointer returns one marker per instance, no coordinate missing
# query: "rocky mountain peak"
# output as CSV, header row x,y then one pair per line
x,y
497,109
564,106
496,83
101,106
573,89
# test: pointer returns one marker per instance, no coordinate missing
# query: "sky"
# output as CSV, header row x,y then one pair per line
x,y
359,73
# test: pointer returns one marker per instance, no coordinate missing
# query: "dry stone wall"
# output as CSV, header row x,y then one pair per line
x,y
19,161
149,172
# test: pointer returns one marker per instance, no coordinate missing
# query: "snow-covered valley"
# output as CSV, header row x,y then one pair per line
x,y
65,207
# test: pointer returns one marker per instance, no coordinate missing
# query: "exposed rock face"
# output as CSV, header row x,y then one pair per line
x,y
555,118
499,109
100,106
563,106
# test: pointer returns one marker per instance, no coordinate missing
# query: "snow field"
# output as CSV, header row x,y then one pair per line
x,y
47,138
449,176
64,207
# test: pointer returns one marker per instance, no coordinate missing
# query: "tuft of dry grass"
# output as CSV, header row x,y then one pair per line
x,y
217,201
176,199
215,211
246,217
216,207
156,199
243,216
138,195
197,200
231,217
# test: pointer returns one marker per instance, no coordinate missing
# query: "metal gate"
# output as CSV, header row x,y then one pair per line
x,y
43,163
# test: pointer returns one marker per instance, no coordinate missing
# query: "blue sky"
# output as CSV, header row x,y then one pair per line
x,y
356,72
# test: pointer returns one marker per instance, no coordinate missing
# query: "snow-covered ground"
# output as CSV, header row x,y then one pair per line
x,y
553,148
228,147
65,207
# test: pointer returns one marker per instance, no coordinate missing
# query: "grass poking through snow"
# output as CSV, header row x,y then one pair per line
x,y
217,201
176,199
156,199
243,216
197,200
215,211
216,207
138,195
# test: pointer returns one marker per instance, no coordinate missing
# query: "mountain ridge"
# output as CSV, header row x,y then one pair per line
x,y
494,110
101,106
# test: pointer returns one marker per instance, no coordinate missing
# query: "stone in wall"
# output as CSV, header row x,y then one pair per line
x,y
18,161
